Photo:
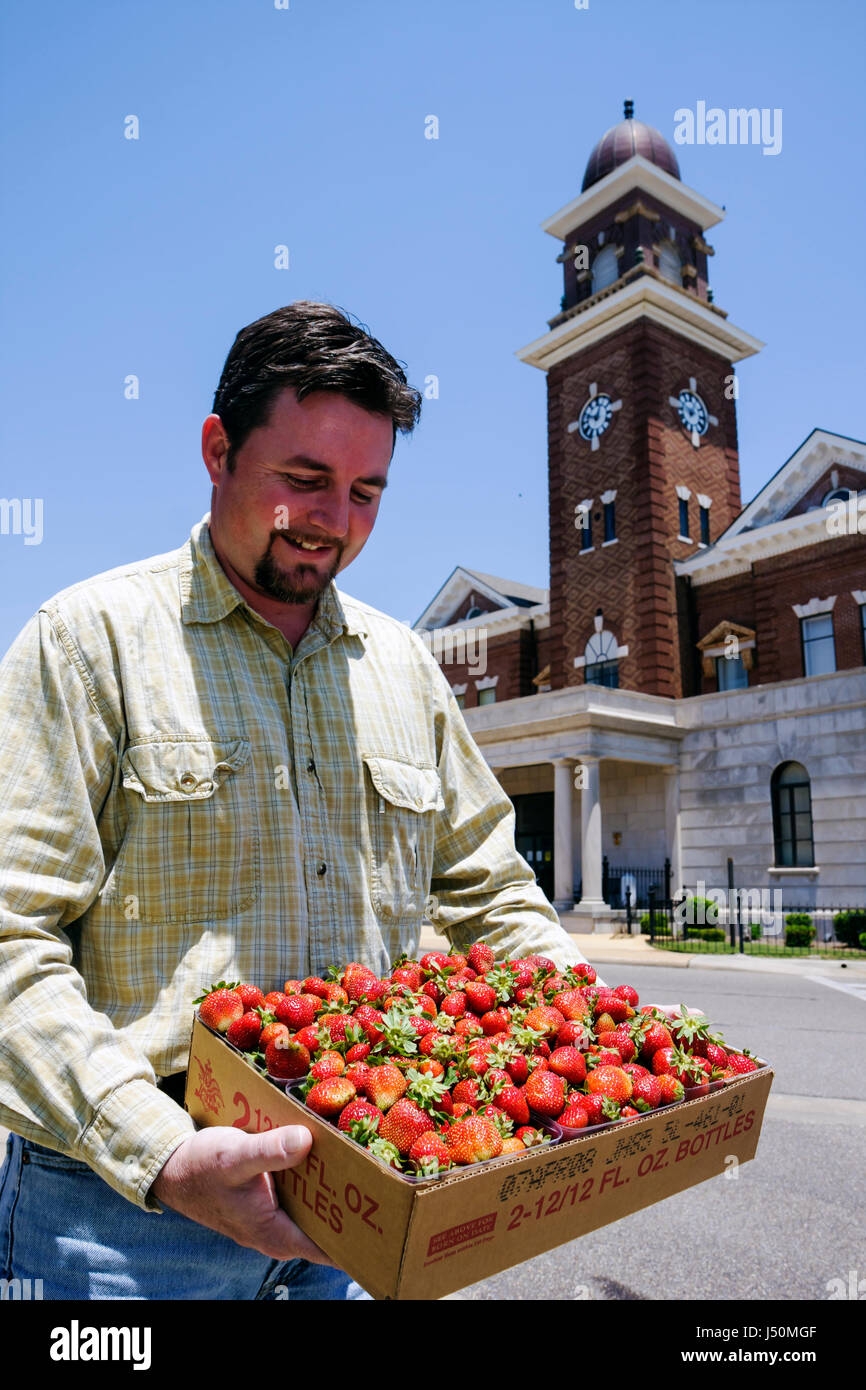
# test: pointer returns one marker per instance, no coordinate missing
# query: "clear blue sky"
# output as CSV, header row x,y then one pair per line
x,y
306,127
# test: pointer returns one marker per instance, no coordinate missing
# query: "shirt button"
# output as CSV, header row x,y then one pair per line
x,y
188,781
419,801
321,869
311,766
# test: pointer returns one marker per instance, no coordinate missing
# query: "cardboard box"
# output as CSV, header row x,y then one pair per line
x,y
413,1239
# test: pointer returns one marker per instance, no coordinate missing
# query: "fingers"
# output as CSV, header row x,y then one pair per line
x,y
270,1152
280,1239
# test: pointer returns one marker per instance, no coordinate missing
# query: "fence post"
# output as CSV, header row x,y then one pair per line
x,y
605,874
628,917
731,927
652,911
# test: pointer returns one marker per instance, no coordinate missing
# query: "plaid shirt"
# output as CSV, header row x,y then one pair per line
x,y
186,799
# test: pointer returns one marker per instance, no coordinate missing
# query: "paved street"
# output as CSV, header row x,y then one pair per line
x,y
787,1224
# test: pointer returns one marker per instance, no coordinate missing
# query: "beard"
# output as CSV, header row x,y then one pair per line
x,y
287,587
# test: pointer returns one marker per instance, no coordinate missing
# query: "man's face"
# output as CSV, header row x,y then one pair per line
x,y
315,472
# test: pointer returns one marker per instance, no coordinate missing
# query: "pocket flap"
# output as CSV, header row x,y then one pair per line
x,y
404,784
181,769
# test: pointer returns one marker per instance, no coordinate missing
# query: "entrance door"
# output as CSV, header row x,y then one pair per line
x,y
534,836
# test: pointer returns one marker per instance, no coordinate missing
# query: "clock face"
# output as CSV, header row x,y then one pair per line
x,y
595,417
693,414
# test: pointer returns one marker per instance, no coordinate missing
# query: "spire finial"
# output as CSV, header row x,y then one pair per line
x,y
628,110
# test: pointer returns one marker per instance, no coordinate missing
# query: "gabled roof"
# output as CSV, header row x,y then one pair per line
x,y
818,452
505,593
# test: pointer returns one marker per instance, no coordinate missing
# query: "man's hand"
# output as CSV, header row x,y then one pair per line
x,y
221,1178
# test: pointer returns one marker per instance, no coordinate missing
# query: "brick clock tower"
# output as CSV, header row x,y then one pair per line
x,y
642,429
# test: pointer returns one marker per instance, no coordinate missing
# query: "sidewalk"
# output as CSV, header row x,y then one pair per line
x,y
604,948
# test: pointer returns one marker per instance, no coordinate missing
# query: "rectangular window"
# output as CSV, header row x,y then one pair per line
x,y
863,629
603,673
731,674
819,648
488,696
609,521
684,516
461,701
705,526
586,531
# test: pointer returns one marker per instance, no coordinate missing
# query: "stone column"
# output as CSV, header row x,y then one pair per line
x,y
673,838
590,819
563,858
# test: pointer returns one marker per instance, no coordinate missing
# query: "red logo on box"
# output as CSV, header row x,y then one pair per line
x,y
458,1235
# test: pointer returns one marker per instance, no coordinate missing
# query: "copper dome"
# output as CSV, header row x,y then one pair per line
x,y
621,142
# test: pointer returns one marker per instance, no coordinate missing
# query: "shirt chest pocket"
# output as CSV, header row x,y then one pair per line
x,y
401,800
191,850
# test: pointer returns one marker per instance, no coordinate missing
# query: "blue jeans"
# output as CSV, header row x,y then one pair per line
x,y
59,1222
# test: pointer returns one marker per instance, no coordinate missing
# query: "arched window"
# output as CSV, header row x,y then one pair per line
x,y
605,269
670,264
473,612
792,816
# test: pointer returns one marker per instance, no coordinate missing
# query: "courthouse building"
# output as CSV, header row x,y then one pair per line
x,y
692,685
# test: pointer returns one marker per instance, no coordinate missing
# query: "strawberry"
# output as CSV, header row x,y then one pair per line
x,y
530,1137
286,1058
363,987
462,1107
479,996
740,1063
473,1140
431,990
592,1104
583,971
569,1063
430,1154
635,1070
628,1112
513,1146
358,1052
308,1036
271,1000
671,1089
245,1031
468,1090
293,987
220,1008
360,1110
371,1020
454,1004
427,1007
611,1082
627,993
272,1031
404,1122
336,995
314,985
495,1021
523,972
512,1100
574,1116
385,1151
468,1027
296,1011
481,957
433,962
545,1093
571,1005
251,996
385,1085
518,1070
656,1036
328,1063
546,1019
328,1097
620,1040
646,1092
612,1005
358,1073
410,975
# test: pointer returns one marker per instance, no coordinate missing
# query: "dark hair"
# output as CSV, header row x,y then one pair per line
x,y
309,347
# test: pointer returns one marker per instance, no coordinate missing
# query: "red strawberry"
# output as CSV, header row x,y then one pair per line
x,y
293,987
671,1089
328,1064
429,1066
480,996
740,1063
656,1036
545,1019
358,1073
512,1100
286,1058
468,1027
271,1000
454,1004
272,1031
296,1011
574,1034
593,1105
531,1137
612,1005
403,1124
336,995
371,1020
473,1140
545,1093
328,1098
569,1063
308,1036
628,1112
571,1005
314,985
385,1085
646,1093
584,972
468,1090
408,974
462,1107
358,1052
627,993
220,1009
481,957
251,996
430,1153
495,1021
360,1110
518,1070
245,1031
433,962
574,1116
611,1082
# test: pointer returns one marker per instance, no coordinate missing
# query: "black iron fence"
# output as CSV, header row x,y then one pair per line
x,y
639,885
749,922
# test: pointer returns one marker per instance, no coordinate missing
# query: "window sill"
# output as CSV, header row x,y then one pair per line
x,y
604,544
806,872
588,551
688,540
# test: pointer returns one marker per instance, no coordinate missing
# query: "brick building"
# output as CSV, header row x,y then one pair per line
x,y
692,687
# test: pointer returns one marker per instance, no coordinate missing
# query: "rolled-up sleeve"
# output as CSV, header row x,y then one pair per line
x,y
481,885
68,1080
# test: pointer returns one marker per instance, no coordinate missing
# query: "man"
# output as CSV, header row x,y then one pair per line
x,y
219,766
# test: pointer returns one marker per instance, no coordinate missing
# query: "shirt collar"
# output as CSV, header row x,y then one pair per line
x,y
207,595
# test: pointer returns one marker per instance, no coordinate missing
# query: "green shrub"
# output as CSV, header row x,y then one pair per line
x,y
707,933
756,931
863,941
849,926
798,933
798,919
661,925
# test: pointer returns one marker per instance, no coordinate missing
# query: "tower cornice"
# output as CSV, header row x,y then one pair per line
x,y
639,173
